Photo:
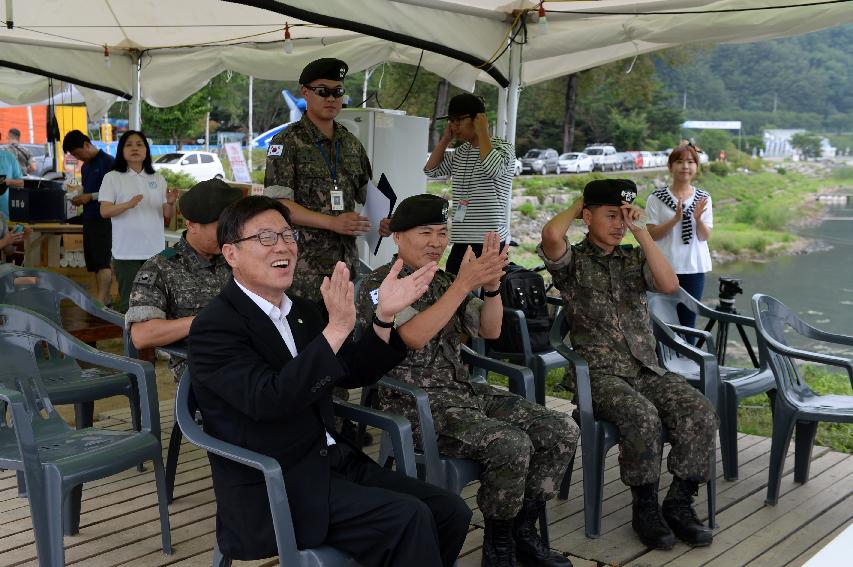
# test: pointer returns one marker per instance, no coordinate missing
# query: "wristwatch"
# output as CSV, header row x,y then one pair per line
x,y
382,324
495,293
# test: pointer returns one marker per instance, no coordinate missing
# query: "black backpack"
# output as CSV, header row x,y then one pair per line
x,y
524,290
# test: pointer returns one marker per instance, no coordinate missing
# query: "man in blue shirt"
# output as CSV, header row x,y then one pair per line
x,y
9,167
97,231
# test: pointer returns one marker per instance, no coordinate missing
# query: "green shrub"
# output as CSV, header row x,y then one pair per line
x,y
177,180
528,210
719,168
781,170
536,191
845,173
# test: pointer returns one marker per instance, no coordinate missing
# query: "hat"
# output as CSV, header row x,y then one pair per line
x,y
465,104
613,192
325,68
419,210
206,200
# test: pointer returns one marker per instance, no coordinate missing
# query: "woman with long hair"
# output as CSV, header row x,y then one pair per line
x,y
680,219
134,197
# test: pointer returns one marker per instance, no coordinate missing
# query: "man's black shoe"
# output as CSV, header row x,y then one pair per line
x,y
498,545
679,513
647,520
528,545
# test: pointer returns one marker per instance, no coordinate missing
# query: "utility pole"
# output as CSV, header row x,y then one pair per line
x,y
775,100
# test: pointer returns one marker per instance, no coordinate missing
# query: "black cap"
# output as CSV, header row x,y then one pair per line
x,y
465,104
326,68
609,192
419,210
204,202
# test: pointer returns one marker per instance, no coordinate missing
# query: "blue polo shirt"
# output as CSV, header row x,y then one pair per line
x,y
93,174
10,168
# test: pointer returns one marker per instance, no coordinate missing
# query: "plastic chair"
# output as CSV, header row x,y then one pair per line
x,y
540,362
735,383
452,473
54,458
398,429
796,403
599,436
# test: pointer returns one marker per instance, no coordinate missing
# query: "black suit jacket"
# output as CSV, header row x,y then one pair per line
x,y
252,393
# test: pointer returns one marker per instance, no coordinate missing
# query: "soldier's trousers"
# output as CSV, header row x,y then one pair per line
x,y
524,449
639,407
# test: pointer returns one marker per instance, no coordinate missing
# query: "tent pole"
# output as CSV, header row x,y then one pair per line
x,y
135,117
500,126
251,133
513,90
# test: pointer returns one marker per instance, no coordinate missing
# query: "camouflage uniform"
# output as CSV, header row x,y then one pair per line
x,y
298,169
605,298
176,283
524,448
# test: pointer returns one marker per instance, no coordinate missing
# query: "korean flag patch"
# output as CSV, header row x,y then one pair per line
x,y
374,296
275,150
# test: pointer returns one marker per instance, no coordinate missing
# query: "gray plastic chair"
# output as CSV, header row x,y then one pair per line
x,y
540,362
735,383
796,404
54,458
398,429
599,436
452,473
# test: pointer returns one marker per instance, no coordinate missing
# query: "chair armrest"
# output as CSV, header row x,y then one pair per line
x,y
429,444
397,427
698,333
178,349
517,317
827,359
582,383
733,318
827,337
709,372
520,378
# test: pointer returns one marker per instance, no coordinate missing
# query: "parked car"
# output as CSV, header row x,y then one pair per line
x,y
648,159
575,162
638,158
540,161
626,161
603,157
199,165
662,158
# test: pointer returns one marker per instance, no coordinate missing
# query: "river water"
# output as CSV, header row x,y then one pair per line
x,y
818,286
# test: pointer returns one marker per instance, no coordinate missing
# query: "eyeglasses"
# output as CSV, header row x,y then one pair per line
x,y
324,92
270,237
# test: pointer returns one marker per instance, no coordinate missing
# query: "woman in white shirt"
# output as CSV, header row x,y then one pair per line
x,y
134,197
680,219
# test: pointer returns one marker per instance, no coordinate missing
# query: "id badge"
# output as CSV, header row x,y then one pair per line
x,y
461,208
337,200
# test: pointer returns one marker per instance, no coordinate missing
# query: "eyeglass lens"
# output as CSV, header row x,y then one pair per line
x,y
269,238
324,92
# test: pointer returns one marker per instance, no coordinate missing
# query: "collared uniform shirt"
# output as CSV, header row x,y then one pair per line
x,y
138,233
299,164
278,316
604,296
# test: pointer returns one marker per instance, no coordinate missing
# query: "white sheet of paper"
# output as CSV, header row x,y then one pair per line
x,y
376,207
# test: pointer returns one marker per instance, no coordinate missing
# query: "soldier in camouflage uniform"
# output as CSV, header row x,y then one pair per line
x,y
173,286
603,285
524,448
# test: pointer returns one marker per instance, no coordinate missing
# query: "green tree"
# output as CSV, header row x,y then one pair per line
x,y
807,143
715,141
178,122
629,130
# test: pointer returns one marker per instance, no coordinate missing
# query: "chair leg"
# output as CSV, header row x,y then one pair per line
x,y
566,483
540,374
728,434
22,485
220,560
71,511
49,554
803,445
783,427
172,461
160,479
712,491
84,414
593,485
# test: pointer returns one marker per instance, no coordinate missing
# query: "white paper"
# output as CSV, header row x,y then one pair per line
x,y
376,207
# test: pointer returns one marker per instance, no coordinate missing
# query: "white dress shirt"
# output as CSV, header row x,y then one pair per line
x,y
278,316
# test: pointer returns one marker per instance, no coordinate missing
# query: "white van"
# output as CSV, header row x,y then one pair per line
x,y
603,156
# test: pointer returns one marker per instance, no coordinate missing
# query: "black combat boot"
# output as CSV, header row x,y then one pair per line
x,y
528,545
647,520
498,545
679,513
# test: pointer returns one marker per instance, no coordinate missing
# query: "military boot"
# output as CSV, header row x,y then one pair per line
x,y
647,520
498,545
679,513
528,545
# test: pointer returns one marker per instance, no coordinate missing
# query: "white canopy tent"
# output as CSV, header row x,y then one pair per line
x,y
162,51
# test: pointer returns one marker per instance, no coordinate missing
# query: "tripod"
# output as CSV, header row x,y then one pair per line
x,y
729,288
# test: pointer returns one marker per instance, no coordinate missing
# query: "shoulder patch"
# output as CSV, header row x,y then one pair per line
x,y
374,296
144,277
168,253
275,150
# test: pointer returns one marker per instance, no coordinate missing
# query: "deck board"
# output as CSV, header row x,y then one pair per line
x,y
120,525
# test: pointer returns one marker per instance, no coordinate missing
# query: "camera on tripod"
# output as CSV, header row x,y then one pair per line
x,y
729,288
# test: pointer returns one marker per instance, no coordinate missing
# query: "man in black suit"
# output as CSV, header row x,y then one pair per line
x,y
263,367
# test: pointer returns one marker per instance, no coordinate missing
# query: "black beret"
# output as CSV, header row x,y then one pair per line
x,y
326,68
609,192
419,210
206,200
465,104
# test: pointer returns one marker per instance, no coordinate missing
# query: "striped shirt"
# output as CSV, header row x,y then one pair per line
x,y
486,185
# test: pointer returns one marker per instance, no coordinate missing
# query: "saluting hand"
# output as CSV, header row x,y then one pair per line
x,y
395,294
631,214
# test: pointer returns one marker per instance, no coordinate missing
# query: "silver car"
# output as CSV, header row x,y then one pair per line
x,y
540,161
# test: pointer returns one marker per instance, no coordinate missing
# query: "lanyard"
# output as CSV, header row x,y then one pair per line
x,y
333,171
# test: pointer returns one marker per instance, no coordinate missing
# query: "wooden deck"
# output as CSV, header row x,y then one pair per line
x,y
119,524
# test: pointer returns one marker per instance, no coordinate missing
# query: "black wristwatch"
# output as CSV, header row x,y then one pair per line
x,y
382,324
495,293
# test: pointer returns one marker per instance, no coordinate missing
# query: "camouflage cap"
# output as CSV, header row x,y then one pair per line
x,y
613,192
204,202
419,210
325,68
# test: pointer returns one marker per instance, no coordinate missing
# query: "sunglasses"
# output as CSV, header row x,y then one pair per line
x,y
324,92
